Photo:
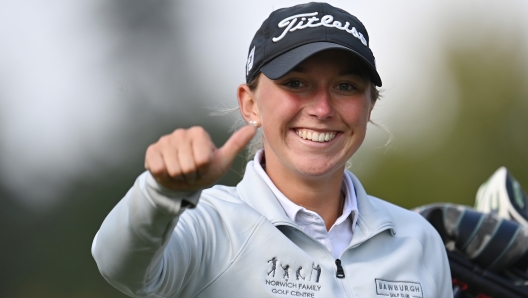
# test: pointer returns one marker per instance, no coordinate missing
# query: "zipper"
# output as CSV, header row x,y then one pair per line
x,y
340,272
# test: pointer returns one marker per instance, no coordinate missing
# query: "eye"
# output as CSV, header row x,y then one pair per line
x,y
294,84
345,87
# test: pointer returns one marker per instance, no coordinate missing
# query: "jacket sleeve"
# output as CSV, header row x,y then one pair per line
x,y
137,249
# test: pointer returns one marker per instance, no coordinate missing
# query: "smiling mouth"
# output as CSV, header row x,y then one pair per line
x,y
316,136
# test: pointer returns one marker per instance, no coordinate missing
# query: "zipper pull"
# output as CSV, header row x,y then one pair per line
x,y
340,272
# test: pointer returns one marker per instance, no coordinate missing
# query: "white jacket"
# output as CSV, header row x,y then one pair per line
x,y
238,242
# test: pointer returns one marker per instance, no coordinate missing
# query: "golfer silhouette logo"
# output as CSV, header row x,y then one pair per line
x,y
298,273
317,270
273,266
286,271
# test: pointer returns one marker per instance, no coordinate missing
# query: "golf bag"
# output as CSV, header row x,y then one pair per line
x,y
488,255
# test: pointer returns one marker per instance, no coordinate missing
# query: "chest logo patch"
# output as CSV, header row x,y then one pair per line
x,y
405,289
293,280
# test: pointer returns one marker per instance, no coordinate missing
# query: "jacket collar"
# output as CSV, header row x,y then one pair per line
x,y
256,193
373,217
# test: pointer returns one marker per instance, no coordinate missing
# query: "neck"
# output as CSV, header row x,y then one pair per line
x,y
318,194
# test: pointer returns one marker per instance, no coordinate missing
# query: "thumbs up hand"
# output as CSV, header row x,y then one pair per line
x,y
187,159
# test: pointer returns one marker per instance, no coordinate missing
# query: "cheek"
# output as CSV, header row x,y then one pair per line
x,y
357,113
278,107
265,100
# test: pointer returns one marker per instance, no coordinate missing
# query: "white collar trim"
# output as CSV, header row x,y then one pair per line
x,y
291,209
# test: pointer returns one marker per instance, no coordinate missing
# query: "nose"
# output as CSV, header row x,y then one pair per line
x,y
321,105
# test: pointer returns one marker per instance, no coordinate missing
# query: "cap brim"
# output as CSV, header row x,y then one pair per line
x,y
280,66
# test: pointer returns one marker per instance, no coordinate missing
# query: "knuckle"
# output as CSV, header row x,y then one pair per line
x,y
202,161
199,131
152,148
157,171
150,156
201,164
196,129
188,170
179,132
168,139
173,172
163,140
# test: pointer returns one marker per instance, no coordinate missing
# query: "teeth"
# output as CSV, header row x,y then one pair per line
x,y
316,136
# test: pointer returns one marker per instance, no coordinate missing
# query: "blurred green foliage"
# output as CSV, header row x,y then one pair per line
x,y
490,130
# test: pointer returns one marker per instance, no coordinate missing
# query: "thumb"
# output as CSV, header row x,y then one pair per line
x,y
227,153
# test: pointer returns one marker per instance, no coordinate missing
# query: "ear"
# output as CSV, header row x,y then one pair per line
x,y
247,103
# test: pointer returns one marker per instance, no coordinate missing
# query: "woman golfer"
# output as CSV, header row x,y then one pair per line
x,y
298,224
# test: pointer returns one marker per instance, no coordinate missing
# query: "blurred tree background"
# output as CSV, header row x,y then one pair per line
x,y
162,82
489,127
46,250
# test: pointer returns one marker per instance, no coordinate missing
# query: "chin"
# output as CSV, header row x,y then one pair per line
x,y
319,168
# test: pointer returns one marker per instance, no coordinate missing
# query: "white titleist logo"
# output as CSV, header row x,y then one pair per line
x,y
250,60
327,21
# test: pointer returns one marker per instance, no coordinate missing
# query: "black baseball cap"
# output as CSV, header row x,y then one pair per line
x,y
290,35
